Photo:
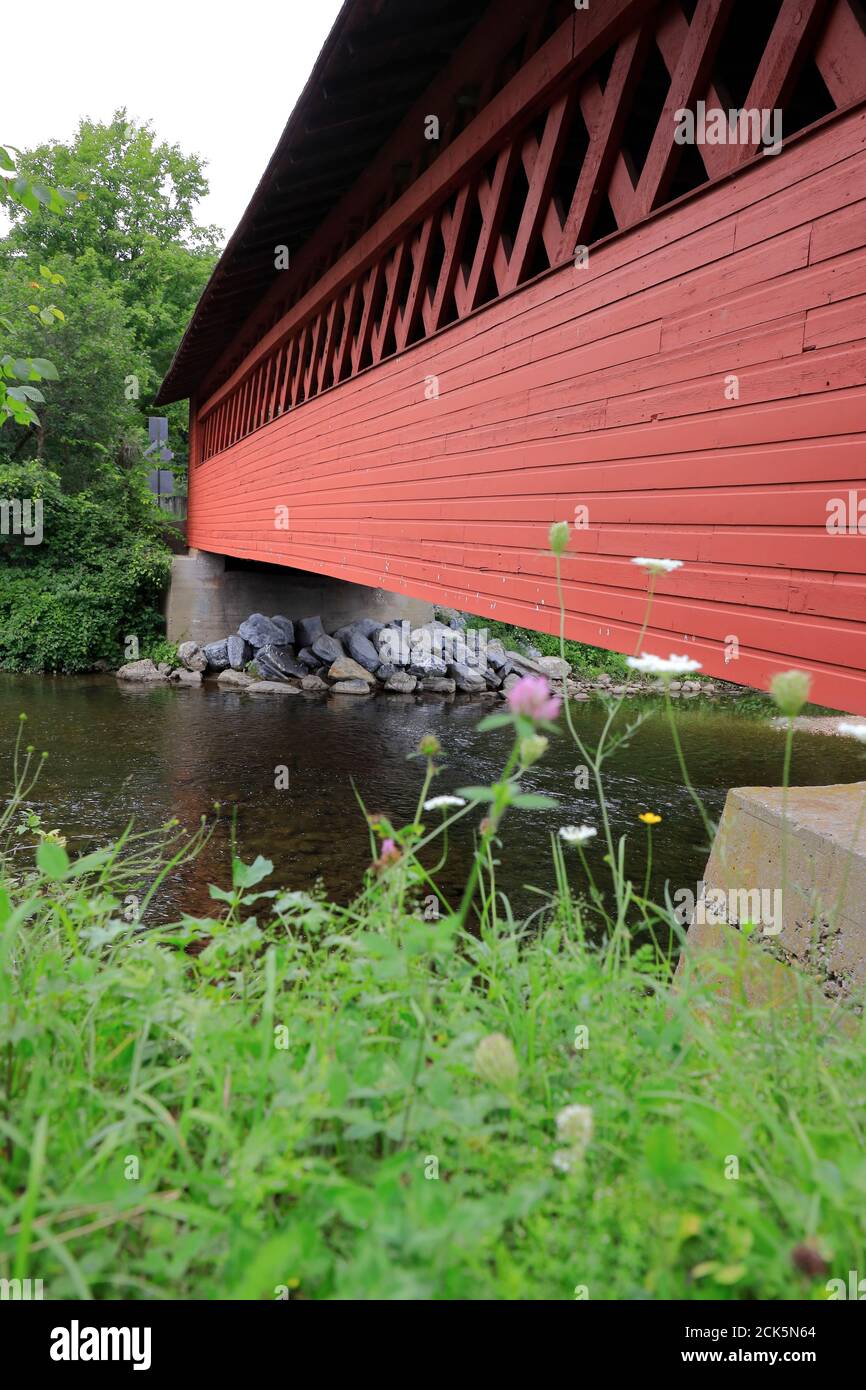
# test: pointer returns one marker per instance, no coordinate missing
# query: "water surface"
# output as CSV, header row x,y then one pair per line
x,y
121,752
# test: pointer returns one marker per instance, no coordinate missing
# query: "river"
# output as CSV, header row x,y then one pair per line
x,y
148,753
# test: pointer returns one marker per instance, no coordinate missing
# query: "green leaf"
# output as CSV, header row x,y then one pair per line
x,y
58,313
47,370
476,793
533,801
6,162
247,875
494,721
52,859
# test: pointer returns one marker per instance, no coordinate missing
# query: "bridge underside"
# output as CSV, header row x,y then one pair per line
x,y
692,389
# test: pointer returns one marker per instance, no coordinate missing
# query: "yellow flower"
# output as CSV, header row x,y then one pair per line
x,y
650,818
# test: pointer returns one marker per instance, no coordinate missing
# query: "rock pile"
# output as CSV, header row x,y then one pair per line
x,y
279,655
283,656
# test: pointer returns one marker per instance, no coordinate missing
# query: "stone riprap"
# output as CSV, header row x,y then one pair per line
x,y
365,656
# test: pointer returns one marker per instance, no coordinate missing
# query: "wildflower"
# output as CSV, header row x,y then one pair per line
x,y
532,698
577,834
436,802
658,666
429,746
389,854
574,1126
808,1258
790,690
558,537
657,566
532,748
852,731
650,818
496,1062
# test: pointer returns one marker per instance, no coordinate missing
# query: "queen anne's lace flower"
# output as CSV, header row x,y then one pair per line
x,y
658,666
577,834
657,566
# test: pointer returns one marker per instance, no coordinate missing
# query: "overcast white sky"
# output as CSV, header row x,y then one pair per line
x,y
218,79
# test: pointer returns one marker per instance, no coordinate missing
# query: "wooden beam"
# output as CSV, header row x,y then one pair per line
x,y
791,36
841,54
605,119
689,80
540,187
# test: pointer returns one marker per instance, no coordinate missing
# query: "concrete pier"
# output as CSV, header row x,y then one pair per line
x,y
811,863
210,595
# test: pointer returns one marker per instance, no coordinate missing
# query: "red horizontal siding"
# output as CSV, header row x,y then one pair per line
x,y
604,387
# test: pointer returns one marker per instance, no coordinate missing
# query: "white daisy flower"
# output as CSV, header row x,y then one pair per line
x,y
436,802
658,666
857,731
576,834
657,566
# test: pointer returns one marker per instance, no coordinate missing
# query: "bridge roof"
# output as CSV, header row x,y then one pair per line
x,y
379,57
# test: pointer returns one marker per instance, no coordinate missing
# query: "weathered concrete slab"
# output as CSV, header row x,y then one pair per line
x,y
811,869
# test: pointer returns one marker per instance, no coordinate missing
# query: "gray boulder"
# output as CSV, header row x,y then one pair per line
x,y
234,680
496,654
142,671
191,656
525,664
307,657
238,651
328,649
361,649
424,663
314,685
345,669
555,668
278,662
217,655
401,682
307,630
440,685
385,672
181,676
286,629
259,631
272,688
358,687
466,679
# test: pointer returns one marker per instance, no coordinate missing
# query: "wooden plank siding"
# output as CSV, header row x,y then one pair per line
x,y
601,386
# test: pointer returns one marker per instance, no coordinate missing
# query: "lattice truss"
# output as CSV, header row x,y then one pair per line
x,y
599,157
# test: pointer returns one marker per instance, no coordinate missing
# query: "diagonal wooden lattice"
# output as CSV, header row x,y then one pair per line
x,y
508,211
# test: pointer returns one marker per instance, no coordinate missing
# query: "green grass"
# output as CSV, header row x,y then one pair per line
x,y
251,1105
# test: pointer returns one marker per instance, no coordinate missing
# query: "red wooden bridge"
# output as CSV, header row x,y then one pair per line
x,y
513,297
